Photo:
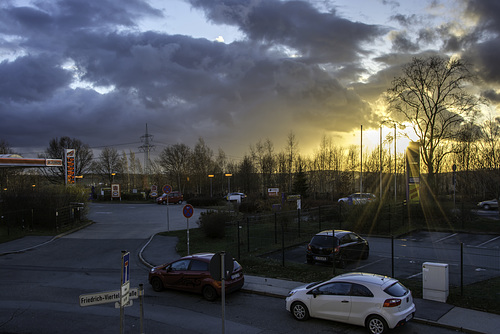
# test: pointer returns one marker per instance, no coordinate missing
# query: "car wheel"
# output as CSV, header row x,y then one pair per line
x,y
376,325
209,293
157,284
486,207
300,311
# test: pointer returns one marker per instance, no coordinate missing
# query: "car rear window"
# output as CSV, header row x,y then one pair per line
x,y
396,290
322,241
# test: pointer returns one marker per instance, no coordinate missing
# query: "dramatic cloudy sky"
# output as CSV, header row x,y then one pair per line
x,y
230,71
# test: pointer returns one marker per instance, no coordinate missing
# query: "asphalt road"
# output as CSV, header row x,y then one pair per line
x,y
41,288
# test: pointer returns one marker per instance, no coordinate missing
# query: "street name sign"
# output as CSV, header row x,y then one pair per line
x,y
105,297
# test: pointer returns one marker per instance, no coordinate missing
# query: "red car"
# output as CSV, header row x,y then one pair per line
x,y
191,273
175,197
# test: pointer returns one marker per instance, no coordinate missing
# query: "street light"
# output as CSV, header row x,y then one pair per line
x,y
211,176
228,182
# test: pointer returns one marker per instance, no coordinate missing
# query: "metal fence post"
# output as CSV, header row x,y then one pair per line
x,y
238,232
319,217
392,254
248,235
275,227
461,268
283,244
298,220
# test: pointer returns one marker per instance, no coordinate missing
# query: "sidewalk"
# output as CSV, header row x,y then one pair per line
x,y
158,250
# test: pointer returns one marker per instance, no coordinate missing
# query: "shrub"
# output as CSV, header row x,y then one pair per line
x,y
213,223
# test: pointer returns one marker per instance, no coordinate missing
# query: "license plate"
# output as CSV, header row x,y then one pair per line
x,y
235,276
321,258
408,318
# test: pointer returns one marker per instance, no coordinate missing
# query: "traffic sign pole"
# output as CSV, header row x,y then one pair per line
x,y
188,211
167,189
223,292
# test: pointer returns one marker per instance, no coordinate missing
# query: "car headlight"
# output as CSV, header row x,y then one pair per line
x,y
291,293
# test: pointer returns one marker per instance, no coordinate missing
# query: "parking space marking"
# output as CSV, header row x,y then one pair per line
x,y
487,242
413,276
450,236
369,264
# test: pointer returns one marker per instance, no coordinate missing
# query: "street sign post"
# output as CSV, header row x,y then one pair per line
x,y
167,189
188,211
125,285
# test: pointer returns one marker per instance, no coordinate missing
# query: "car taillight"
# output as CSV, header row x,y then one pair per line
x,y
393,302
337,249
309,247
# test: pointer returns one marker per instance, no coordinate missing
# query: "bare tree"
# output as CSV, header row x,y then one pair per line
x,y
175,161
108,164
83,158
431,95
202,162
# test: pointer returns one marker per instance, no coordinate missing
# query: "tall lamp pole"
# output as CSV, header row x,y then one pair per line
x,y
211,176
228,182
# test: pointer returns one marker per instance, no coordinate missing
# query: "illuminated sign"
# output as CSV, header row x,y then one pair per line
x,y
69,163
413,173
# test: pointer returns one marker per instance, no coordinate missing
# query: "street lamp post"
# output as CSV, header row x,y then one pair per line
x,y
211,176
228,182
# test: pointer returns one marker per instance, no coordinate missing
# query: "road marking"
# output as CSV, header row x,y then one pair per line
x,y
450,236
413,276
486,242
366,265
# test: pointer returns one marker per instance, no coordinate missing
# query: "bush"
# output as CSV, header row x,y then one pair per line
x,y
213,223
204,201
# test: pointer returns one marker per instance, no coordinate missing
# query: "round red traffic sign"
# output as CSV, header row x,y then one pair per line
x,y
167,189
188,211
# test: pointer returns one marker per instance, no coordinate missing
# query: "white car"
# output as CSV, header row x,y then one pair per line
x,y
374,301
357,198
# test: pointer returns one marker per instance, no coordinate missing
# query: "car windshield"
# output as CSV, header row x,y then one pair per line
x,y
396,290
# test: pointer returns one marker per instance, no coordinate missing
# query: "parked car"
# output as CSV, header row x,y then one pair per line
x,y
347,246
175,197
373,301
191,273
235,195
357,198
487,205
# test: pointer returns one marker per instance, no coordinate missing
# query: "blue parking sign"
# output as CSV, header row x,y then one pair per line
x,y
125,268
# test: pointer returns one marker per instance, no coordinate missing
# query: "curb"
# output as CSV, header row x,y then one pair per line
x,y
48,241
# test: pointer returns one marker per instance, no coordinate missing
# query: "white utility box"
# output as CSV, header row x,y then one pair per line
x,y
435,281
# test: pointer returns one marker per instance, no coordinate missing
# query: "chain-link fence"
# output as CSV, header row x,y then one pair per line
x,y
283,236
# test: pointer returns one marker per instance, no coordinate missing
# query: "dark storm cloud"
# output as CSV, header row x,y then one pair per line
x,y
293,70
484,41
323,37
31,78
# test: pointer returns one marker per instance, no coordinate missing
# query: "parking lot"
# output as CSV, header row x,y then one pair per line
x,y
478,254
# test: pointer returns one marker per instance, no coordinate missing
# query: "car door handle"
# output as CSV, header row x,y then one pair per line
x,y
345,301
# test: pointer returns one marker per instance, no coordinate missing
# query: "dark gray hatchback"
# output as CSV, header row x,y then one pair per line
x,y
346,245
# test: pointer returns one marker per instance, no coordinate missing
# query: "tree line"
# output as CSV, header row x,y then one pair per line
x,y
432,98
